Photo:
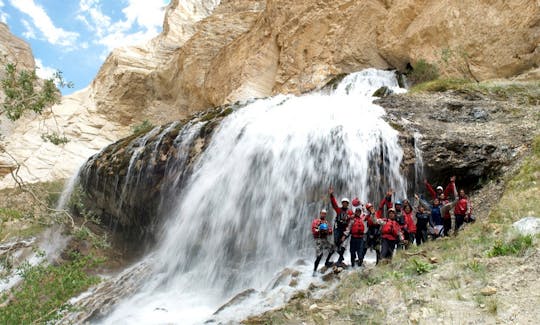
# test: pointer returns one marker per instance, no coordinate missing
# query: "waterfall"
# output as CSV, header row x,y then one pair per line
x,y
244,213
418,162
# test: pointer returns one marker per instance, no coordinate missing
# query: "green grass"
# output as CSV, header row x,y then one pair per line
x,y
516,246
441,85
45,291
522,193
7,214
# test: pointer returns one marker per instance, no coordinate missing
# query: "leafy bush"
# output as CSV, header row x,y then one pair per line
x,y
423,71
45,291
516,246
143,127
420,267
54,138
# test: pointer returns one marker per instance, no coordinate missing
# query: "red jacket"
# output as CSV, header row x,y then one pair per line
x,y
356,227
315,228
409,221
447,191
339,211
386,202
391,230
462,206
378,215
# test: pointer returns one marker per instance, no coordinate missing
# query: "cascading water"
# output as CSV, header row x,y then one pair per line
x,y
245,212
418,161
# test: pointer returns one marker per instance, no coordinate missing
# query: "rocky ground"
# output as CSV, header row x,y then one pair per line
x,y
448,281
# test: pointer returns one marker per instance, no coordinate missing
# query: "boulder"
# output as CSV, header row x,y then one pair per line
x,y
527,226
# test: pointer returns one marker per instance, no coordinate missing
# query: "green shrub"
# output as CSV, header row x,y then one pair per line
x,y
419,266
54,138
142,127
516,246
423,71
45,290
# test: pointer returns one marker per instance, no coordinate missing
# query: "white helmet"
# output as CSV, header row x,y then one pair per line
x,y
345,200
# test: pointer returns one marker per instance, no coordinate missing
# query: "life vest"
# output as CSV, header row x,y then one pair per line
x,y
390,230
357,229
315,226
461,206
342,220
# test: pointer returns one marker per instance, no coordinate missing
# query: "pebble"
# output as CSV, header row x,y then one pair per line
x,y
488,291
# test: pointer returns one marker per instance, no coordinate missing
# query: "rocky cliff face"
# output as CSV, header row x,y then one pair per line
x,y
211,53
245,49
13,49
473,134
25,153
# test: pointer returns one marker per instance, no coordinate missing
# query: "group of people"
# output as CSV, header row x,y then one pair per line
x,y
393,224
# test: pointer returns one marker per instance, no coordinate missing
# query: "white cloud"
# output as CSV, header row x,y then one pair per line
x,y
148,14
3,15
30,32
42,22
42,71
146,17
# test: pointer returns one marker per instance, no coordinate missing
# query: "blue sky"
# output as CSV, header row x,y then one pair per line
x,y
75,36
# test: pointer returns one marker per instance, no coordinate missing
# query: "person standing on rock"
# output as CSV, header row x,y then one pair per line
x,y
390,233
321,230
356,230
373,239
343,214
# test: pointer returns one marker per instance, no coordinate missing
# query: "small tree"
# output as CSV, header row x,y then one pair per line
x,y
24,91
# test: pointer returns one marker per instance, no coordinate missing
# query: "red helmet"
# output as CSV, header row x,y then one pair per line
x,y
369,206
355,202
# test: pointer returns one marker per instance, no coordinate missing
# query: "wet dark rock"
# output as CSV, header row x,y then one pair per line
x,y
467,134
384,91
238,299
124,184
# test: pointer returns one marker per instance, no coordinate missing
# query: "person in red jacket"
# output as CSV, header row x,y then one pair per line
x,y
356,230
343,215
439,190
409,222
390,233
321,230
462,210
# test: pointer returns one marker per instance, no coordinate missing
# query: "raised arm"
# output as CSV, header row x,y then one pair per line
x,y
430,189
333,199
451,188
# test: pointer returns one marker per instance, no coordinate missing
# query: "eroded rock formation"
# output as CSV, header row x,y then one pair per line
x,y
250,48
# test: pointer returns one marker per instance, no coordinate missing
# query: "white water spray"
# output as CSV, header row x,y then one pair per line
x,y
245,213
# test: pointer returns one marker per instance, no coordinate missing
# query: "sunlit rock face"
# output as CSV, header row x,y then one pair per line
x,y
222,53
13,49
212,53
